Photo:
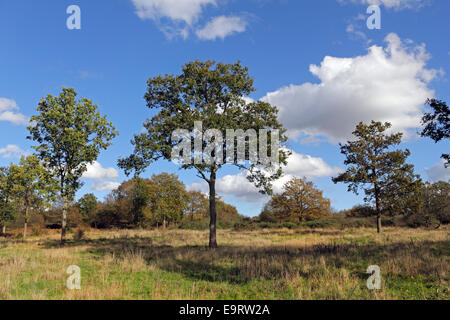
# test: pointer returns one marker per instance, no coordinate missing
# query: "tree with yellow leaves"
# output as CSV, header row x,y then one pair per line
x,y
302,200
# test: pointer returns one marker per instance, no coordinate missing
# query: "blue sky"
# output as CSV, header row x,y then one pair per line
x,y
316,60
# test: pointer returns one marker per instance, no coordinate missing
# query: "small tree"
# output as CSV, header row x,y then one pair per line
x,y
437,124
301,199
374,167
141,200
197,205
168,198
7,208
32,187
70,134
210,94
88,207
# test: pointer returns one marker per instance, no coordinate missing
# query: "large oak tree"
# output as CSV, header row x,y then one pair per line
x,y
212,94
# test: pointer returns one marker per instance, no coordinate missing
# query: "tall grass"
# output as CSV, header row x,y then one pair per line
x,y
260,264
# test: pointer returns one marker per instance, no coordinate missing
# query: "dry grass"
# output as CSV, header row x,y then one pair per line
x,y
264,264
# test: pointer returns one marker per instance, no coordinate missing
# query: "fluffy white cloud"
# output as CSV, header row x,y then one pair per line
x,y
187,11
12,151
386,84
299,165
221,27
438,172
311,167
391,4
177,18
8,112
96,171
181,13
105,185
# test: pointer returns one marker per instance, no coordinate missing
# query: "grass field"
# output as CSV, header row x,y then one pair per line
x,y
263,264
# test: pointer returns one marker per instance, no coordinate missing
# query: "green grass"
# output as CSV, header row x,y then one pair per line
x,y
260,264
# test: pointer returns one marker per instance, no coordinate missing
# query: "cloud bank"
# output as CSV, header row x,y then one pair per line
x,y
387,84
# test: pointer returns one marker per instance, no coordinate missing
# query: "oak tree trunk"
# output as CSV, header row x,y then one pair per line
x,y
212,212
64,221
377,204
25,225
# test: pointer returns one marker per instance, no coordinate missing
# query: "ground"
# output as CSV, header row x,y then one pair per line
x,y
261,264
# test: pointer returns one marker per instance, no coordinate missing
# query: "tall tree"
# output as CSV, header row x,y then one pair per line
x,y
33,187
70,134
213,95
7,208
301,199
374,167
437,124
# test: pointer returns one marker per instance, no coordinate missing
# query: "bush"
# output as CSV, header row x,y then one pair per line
x,y
194,225
53,226
322,223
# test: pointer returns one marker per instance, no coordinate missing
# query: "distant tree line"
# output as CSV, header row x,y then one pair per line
x,y
159,202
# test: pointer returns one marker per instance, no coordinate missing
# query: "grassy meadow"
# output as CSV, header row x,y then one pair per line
x,y
260,264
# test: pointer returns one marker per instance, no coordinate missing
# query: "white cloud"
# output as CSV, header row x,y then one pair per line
x,y
438,172
221,27
181,13
299,165
187,11
99,174
8,112
105,185
386,84
391,4
96,171
311,167
177,18
12,151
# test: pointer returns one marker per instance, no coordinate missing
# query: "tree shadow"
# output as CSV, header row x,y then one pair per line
x,y
241,264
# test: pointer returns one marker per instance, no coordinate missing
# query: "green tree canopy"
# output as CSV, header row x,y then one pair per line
x,y
33,186
7,208
168,198
212,94
70,133
88,207
437,124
